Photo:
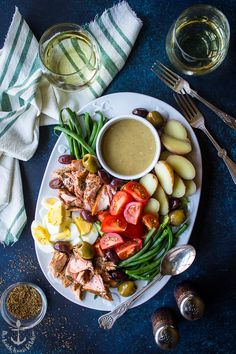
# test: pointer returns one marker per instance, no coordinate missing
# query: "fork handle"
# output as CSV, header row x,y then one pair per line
x,y
222,154
227,119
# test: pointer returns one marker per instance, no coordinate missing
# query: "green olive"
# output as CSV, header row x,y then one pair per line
x,y
156,119
127,288
85,250
90,163
177,217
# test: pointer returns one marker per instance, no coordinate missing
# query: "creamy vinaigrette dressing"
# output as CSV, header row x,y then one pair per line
x,y
128,147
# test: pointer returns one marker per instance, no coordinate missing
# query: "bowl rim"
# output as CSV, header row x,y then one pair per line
x,y
141,120
11,320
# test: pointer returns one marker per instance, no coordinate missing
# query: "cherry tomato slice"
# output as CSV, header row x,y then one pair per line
x,y
114,223
109,240
129,248
132,212
150,221
137,191
119,202
102,215
134,231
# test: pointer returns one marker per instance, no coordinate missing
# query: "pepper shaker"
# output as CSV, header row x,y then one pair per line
x,y
164,328
189,302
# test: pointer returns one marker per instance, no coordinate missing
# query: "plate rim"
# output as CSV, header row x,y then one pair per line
x,y
165,280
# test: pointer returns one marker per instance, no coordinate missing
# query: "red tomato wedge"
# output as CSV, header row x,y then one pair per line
x,y
119,202
113,223
109,240
102,215
132,212
150,221
134,231
129,248
137,191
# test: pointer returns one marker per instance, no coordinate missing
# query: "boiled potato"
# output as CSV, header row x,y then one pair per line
x,y
177,146
182,166
190,187
161,196
165,154
165,175
150,182
179,187
152,206
176,129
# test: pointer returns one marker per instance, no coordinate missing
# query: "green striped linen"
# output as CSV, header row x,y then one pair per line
x,y
27,99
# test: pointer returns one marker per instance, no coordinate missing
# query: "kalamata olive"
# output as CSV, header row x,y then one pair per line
x,y
105,178
174,203
117,183
63,247
142,112
85,250
56,183
66,159
177,217
156,119
118,275
127,288
87,216
111,255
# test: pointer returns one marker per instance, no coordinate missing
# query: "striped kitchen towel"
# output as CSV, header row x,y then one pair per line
x,y
26,96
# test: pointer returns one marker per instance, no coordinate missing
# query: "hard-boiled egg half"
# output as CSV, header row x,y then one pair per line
x,y
88,231
58,224
41,236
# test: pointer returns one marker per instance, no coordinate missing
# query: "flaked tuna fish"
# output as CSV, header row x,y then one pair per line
x,y
58,263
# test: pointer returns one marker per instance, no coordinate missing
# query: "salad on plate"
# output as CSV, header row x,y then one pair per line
x,y
105,232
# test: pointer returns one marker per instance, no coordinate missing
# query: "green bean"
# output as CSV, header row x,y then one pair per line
x,y
71,146
145,269
157,261
139,253
147,256
140,277
87,124
94,130
77,138
157,240
161,228
181,230
148,236
170,240
73,118
100,125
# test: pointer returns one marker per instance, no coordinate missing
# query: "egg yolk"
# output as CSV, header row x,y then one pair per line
x,y
56,215
41,234
83,226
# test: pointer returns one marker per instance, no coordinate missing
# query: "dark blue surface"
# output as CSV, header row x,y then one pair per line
x,y
68,328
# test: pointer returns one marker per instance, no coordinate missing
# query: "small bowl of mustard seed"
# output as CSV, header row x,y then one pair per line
x,y
23,305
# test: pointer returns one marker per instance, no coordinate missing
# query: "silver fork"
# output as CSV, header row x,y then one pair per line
x,y
179,85
196,120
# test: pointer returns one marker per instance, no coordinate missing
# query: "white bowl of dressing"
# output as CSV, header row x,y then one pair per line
x,y
128,147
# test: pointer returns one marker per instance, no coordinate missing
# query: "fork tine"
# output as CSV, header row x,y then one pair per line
x,y
162,74
167,70
183,108
165,80
188,103
161,70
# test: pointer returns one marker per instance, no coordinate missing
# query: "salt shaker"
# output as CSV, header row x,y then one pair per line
x,y
189,302
164,328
